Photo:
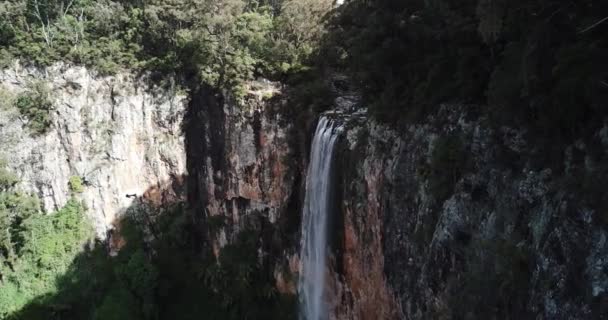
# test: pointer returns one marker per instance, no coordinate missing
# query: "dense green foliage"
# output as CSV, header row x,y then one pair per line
x,y
151,268
537,63
221,42
35,249
158,271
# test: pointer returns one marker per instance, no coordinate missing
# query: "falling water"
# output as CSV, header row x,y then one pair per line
x,y
314,221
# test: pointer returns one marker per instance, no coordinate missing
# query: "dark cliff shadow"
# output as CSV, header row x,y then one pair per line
x,y
204,114
154,266
210,146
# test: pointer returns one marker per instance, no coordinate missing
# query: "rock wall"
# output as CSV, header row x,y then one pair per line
x,y
118,134
450,218
244,168
453,218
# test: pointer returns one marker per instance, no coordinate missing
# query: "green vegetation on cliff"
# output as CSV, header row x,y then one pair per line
x,y
150,268
220,42
36,106
536,63
36,249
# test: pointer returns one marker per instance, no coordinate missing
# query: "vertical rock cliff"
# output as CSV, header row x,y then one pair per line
x,y
454,218
245,173
118,134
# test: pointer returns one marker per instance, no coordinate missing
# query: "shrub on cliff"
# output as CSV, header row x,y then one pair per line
x,y
7,178
75,184
35,105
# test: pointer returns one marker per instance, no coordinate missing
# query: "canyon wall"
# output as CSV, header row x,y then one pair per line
x,y
453,217
245,164
449,218
119,134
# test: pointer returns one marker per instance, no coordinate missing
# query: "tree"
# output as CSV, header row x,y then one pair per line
x,y
46,12
35,248
298,31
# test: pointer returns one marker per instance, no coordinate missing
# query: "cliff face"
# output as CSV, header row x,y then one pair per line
x,y
449,218
119,136
245,173
453,218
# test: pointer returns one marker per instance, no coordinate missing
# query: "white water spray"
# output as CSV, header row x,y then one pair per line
x,y
317,203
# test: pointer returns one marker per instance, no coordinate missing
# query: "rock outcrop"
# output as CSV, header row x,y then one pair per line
x,y
116,133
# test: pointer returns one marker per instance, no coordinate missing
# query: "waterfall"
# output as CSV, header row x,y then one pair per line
x,y
317,203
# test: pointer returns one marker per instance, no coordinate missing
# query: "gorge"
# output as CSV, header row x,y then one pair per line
x,y
420,218
303,159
